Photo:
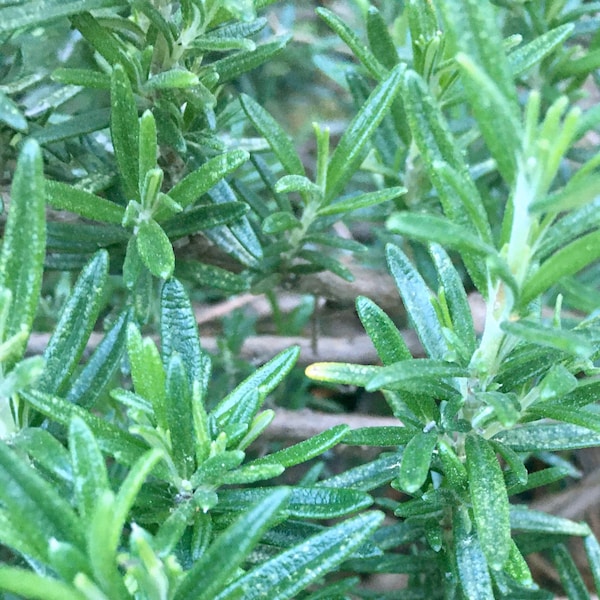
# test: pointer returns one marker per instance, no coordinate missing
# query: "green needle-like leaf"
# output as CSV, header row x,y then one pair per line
x,y
66,197
36,587
179,334
24,243
264,380
416,371
361,201
316,502
236,64
349,152
282,577
384,334
147,372
456,297
415,462
416,297
198,182
306,450
489,499
568,260
179,409
351,39
74,326
10,114
155,250
114,441
529,55
219,563
280,143
124,129
90,477
486,77
36,508
472,568
29,13
93,380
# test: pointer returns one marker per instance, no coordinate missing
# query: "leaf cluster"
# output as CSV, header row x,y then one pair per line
x,y
123,474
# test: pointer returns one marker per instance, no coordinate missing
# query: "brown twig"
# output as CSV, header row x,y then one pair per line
x,y
297,425
260,348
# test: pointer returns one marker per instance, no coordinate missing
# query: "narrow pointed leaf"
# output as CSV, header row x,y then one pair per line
x,y
128,492
456,297
572,342
306,450
82,77
568,260
349,152
147,372
179,333
431,228
576,416
280,143
534,437
490,501
523,519
28,584
361,201
527,56
496,118
24,242
381,42
66,197
46,452
114,441
174,78
305,563
472,568
265,379
359,49
178,412
241,230
198,218
90,477
473,30
384,334
198,182
414,369
74,326
220,562
279,222
124,129
35,506
11,115
570,577
346,373
211,276
415,462
592,550
102,553
104,362
155,250
33,13
416,297
367,476
316,502
148,148
241,62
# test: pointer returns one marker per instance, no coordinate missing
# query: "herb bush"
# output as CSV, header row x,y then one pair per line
x,y
127,473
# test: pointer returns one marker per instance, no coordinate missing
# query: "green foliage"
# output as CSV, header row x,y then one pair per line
x,y
132,471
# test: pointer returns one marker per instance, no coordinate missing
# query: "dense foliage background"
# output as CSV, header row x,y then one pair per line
x,y
204,199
